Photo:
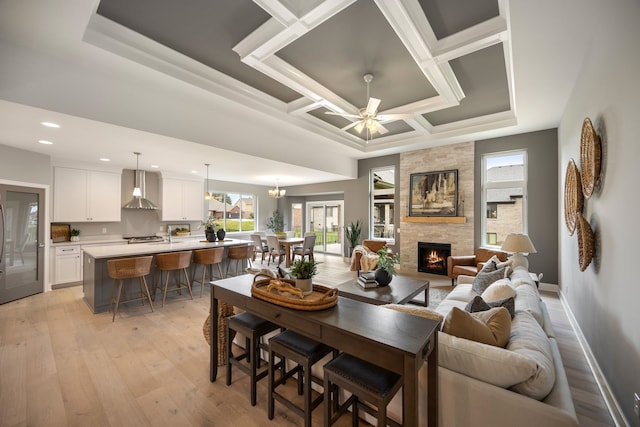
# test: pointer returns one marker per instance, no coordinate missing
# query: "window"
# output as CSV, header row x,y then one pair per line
x,y
382,193
504,186
235,212
296,219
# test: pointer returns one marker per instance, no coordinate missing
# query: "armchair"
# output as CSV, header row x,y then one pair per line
x,y
469,265
373,245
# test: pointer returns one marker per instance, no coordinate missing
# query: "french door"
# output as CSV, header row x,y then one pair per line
x,y
21,242
325,219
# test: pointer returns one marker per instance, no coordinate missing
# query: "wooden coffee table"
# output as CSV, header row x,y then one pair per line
x,y
401,290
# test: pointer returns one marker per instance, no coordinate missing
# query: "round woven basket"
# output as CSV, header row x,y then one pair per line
x,y
224,310
590,157
573,199
586,248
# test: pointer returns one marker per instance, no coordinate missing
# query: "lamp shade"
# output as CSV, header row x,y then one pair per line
x,y
516,242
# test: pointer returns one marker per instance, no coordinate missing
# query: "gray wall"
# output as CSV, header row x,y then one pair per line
x,y
604,298
542,215
24,166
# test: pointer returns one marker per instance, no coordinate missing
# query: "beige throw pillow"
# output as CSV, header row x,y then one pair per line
x,y
500,289
488,327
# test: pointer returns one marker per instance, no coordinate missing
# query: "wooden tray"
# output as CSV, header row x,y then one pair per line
x,y
321,298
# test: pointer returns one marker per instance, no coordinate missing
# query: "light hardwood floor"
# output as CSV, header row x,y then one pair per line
x,y
61,365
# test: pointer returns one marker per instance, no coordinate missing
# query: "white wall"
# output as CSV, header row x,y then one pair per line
x,y
605,298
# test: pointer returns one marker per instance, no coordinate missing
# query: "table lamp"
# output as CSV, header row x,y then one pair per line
x,y
518,244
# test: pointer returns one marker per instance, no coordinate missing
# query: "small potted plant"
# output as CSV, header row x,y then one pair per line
x,y
210,225
387,261
275,223
303,271
75,235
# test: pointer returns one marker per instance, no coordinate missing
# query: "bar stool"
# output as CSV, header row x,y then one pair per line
x,y
207,258
129,268
237,253
305,352
366,382
174,261
253,328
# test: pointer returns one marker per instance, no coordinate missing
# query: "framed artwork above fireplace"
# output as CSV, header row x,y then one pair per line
x,y
434,193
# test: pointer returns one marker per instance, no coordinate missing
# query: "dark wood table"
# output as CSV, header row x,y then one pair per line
x,y
393,340
401,290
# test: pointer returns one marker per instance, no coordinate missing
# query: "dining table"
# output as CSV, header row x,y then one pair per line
x,y
288,244
393,340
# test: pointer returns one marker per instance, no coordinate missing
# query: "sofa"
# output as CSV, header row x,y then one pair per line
x,y
486,386
469,265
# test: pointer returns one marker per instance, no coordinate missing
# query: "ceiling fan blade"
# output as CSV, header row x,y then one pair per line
x,y
333,113
386,117
372,106
381,129
359,126
350,125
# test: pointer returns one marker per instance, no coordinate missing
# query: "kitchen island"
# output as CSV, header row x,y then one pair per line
x,y
96,283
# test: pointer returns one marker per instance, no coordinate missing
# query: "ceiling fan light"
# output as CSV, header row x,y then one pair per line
x,y
359,127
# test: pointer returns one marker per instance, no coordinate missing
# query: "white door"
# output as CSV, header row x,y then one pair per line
x,y
325,219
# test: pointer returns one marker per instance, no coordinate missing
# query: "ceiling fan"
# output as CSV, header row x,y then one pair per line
x,y
368,117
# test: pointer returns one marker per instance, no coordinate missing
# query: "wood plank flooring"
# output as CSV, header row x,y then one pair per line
x,y
60,365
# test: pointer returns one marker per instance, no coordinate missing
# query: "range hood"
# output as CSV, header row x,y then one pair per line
x,y
139,200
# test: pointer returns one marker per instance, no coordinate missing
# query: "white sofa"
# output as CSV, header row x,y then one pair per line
x,y
468,370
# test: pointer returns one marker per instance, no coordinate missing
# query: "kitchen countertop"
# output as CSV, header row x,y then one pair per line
x,y
115,251
96,241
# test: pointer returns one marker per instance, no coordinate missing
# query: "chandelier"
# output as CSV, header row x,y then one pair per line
x,y
276,193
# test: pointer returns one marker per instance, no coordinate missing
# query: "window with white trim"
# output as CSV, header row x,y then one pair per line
x,y
235,212
382,208
504,196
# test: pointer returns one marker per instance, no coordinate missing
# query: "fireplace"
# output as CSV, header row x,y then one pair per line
x,y
432,257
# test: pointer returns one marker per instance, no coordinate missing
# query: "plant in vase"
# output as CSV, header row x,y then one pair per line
x,y
387,261
210,225
352,234
75,235
303,271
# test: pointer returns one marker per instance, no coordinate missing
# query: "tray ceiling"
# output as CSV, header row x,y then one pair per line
x,y
445,63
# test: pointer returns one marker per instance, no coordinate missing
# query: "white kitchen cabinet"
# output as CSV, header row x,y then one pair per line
x,y
182,200
68,264
83,195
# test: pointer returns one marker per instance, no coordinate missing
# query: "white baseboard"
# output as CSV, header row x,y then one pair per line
x,y
611,402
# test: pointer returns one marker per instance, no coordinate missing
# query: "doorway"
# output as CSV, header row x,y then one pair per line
x,y
21,242
325,219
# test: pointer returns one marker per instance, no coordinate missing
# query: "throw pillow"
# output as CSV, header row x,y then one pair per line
x,y
488,267
483,280
489,327
500,264
500,289
417,311
478,304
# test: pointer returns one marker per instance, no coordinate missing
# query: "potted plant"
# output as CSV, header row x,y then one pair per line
x,y
387,261
352,234
75,235
210,225
275,223
303,271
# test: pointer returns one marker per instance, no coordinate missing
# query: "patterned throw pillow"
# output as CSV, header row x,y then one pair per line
x,y
478,304
483,280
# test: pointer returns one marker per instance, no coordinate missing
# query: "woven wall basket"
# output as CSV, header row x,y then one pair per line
x,y
573,198
224,310
590,157
586,244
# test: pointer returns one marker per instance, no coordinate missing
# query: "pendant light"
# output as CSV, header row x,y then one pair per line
x,y
276,193
207,195
137,191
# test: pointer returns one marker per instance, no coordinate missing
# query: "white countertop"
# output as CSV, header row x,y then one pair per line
x,y
93,241
115,251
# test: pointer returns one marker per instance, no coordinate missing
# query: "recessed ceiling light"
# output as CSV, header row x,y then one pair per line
x,y
50,124
104,159
155,166
194,171
45,142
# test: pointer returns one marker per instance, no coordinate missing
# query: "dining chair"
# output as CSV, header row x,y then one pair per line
x,y
275,250
259,246
307,247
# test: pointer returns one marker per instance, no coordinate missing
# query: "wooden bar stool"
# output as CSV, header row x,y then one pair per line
x,y
129,268
366,382
237,253
174,262
207,258
305,352
253,328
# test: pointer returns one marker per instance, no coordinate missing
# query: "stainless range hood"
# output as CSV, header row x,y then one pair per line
x,y
139,200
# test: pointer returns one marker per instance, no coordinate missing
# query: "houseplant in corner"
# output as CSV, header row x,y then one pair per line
x,y
303,271
210,225
275,223
352,234
386,266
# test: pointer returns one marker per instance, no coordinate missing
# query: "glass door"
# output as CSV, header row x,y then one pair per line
x,y
325,219
21,242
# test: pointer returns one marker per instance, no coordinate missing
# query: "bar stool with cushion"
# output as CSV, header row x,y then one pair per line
x,y
237,253
305,352
253,328
174,262
207,258
129,268
366,382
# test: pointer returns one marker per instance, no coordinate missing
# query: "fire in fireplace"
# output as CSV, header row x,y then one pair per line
x,y
432,257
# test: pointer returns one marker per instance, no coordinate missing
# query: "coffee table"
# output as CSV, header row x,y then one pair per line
x,y
401,290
